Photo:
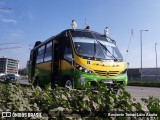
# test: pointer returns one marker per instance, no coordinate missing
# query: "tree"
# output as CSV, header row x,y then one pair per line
x,y
23,71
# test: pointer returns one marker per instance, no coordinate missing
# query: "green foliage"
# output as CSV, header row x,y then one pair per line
x,y
153,104
23,71
71,103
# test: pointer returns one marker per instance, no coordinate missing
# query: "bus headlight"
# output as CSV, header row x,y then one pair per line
x,y
82,69
124,71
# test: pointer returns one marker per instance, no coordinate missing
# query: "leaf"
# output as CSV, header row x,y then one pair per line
x,y
60,109
35,105
85,98
21,108
64,97
95,105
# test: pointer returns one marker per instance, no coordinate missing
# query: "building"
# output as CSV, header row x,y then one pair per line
x,y
8,65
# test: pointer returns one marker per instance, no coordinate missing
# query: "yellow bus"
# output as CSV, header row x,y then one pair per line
x,y
77,58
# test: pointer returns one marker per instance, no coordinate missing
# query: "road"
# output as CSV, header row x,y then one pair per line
x,y
21,80
143,92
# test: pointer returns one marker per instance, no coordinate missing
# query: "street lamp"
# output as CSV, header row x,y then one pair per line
x,y
141,49
156,59
156,54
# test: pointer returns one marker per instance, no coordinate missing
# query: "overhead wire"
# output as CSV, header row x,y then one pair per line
x,y
10,47
131,37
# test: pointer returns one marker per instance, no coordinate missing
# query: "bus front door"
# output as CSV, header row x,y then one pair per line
x,y
55,64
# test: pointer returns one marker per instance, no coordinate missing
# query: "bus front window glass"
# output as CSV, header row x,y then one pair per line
x,y
88,47
110,50
96,48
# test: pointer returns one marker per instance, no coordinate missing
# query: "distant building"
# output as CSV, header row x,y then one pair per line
x,y
8,65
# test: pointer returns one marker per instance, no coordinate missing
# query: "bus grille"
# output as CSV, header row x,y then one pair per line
x,y
107,74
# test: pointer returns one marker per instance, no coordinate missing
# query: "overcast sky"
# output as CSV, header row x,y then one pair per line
x,y
26,21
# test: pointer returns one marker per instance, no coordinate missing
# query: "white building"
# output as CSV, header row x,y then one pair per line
x,y
8,65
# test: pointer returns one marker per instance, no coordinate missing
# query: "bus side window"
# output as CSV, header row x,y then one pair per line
x,y
68,50
40,54
48,52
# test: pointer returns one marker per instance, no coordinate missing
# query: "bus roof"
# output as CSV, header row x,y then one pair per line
x,y
77,31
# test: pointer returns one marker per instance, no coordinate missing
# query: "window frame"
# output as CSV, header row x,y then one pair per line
x,y
48,52
40,54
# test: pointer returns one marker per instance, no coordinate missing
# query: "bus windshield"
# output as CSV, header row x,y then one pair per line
x,y
89,47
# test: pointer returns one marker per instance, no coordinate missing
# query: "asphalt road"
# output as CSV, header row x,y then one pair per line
x,y
20,80
143,92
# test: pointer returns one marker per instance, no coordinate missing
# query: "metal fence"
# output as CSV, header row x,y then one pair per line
x,y
144,75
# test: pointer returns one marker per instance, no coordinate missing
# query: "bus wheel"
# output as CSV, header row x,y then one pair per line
x,y
68,83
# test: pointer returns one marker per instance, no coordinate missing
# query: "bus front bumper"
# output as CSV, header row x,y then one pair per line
x,y
84,80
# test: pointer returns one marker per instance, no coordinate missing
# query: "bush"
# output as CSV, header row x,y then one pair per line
x,y
69,103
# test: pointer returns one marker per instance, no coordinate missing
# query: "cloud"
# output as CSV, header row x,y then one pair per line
x,y
8,20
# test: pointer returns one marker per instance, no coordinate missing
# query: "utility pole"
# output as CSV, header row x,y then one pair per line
x,y
141,49
156,61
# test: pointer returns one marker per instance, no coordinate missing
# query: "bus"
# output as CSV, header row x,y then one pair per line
x,y
77,58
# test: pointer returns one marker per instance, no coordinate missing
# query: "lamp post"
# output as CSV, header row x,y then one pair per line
x,y
156,60
156,54
141,49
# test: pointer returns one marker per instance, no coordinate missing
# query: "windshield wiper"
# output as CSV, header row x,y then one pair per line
x,y
101,48
107,50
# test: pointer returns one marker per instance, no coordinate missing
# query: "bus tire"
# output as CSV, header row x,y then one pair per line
x,y
68,83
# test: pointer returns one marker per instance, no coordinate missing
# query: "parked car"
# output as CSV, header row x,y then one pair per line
x,y
3,77
10,77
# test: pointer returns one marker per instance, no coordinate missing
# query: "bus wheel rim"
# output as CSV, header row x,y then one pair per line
x,y
69,83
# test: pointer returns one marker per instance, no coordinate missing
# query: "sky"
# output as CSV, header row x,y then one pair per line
x,y
23,22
